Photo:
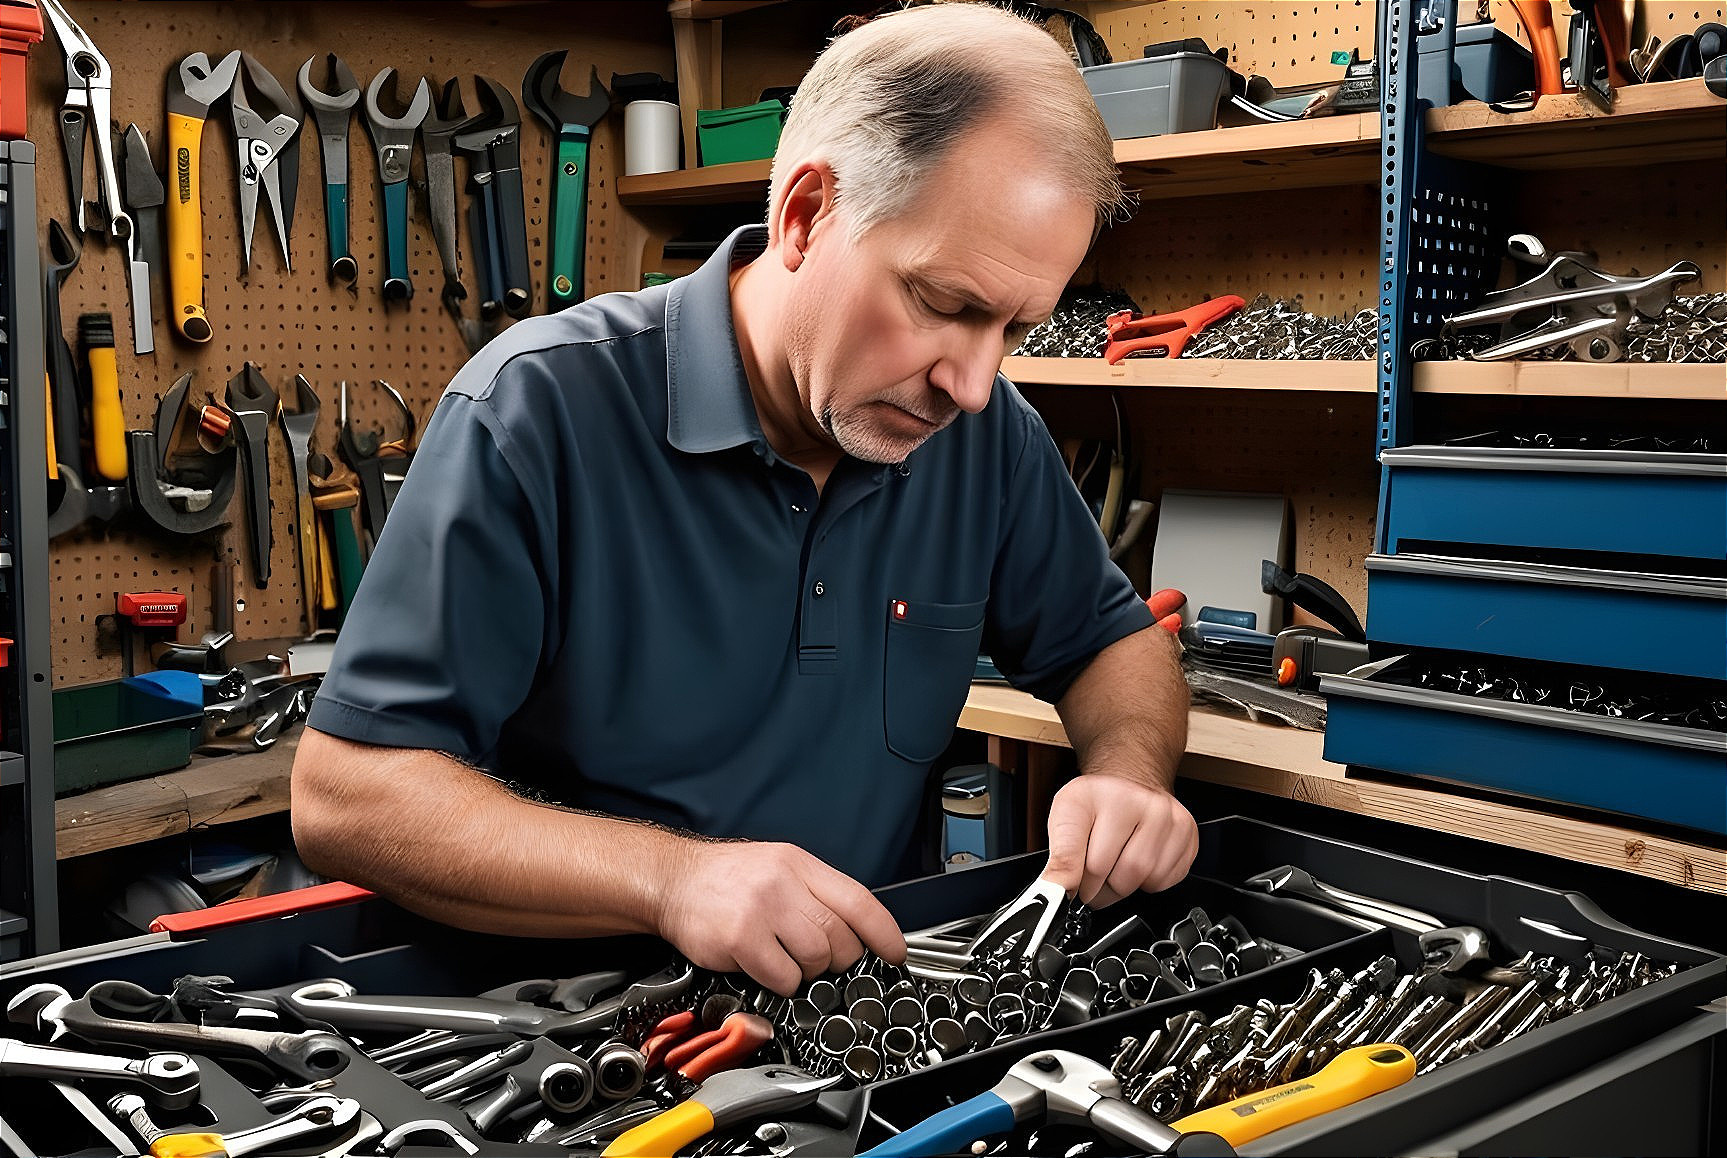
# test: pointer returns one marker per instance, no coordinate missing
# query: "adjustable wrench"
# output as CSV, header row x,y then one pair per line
x,y
170,1078
199,86
313,1116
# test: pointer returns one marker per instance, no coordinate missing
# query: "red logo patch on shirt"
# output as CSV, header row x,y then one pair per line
x,y
899,608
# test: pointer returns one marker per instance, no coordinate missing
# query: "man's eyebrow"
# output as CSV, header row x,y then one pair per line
x,y
955,290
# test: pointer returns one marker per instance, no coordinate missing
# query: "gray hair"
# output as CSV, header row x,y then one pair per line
x,y
884,102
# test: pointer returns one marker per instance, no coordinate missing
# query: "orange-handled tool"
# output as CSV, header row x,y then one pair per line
x,y
706,1054
1537,17
195,86
107,417
48,414
1166,333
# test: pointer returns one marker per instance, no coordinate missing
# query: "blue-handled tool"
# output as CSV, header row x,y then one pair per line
x,y
1053,1086
393,139
333,109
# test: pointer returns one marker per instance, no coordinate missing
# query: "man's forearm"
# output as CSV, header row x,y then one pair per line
x,y
1126,714
454,845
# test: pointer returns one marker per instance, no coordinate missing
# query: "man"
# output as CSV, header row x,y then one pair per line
x,y
720,555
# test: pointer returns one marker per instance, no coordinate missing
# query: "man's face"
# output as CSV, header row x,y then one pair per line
x,y
890,336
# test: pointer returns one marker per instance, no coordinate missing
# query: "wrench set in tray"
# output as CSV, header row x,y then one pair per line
x,y
1188,999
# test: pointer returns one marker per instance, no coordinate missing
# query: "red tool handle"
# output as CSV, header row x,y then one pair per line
x,y
704,1055
664,1036
1537,20
152,608
186,926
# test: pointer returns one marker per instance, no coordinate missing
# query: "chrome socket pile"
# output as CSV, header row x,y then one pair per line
x,y
1275,330
1076,329
1192,1062
878,1021
1693,329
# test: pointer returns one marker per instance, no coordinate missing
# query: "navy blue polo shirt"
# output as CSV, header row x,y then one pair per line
x,y
599,582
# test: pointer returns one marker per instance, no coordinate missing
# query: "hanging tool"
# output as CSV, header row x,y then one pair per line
x,y
437,144
252,404
107,419
722,1100
1314,596
1537,18
67,456
393,139
1164,334
334,111
1056,1087
569,118
267,136
491,139
193,89
336,493
183,491
298,426
367,455
141,613
144,197
1351,1076
86,109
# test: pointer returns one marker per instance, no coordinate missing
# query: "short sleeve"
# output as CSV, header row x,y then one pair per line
x,y
447,629
1056,598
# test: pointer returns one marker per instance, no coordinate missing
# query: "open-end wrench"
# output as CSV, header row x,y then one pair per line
x,y
337,1003
437,145
170,1078
570,119
298,426
198,85
442,1131
311,1056
393,140
1034,913
334,111
252,404
491,139
1447,949
315,1115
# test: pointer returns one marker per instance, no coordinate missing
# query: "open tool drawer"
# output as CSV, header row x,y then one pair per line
x,y
1632,502
1511,1087
382,949
1671,624
1673,774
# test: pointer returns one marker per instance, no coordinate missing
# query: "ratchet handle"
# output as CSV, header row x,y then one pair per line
x,y
343,267
569,216
186,229
666,1133
513,238
397,285
950,1131
1351,1076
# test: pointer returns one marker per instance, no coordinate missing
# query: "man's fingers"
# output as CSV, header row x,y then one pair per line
x,y
1111,833
1069,825
806,942
861,912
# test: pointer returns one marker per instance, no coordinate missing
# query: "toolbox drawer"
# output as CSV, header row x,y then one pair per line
x,y
1672,774
1672,624
1637,503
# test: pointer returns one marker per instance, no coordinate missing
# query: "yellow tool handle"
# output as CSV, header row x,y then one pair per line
x,y
188,1146
107,419
1352,1075
186,227
48,411
326,566
665,1135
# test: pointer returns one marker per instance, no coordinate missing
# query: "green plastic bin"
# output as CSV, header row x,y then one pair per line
x,y
105,733
747,133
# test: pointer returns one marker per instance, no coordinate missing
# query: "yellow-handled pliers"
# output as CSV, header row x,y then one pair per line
x,y
723,1100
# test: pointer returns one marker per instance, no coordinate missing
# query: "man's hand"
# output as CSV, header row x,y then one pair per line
x,y
774,912
1110,837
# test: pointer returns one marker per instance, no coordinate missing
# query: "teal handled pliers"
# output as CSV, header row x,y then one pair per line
x,y
571,119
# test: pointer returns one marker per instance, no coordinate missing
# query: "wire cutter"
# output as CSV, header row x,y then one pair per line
x,y
723,1100
87,109
571,119
269,149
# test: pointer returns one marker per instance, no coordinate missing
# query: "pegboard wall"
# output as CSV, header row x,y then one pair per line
x,y
1288,42
300,322
1315,246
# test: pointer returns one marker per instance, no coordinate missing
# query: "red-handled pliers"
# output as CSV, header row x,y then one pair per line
x,y
1168,333
678,1044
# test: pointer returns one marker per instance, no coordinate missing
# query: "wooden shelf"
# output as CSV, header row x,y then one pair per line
x,y
708,185
210,790
1319,153
1297,154
1212,373
1650,124
1706,380
1279,761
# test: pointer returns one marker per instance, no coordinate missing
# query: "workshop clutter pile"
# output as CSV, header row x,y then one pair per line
x,y
1103,323
1281,989
267,117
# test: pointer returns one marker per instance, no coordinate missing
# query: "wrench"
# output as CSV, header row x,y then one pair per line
x,y
310,1056
313,1116
337,1003
399,1137
171,1078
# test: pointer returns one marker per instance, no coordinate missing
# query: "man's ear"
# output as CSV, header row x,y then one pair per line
x,y
807,201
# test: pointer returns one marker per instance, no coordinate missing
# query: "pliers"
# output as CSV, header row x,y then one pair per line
x,y
269,151
87,108
689,1050
721,1101
393,139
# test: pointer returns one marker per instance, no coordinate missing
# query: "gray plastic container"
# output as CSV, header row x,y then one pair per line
x,y
1177,93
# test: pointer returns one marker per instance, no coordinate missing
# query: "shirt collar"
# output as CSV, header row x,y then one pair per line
x,y
709,407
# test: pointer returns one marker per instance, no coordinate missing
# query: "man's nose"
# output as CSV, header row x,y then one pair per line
x,y
966,373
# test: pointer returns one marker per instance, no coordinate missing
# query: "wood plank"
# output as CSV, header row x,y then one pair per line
x,y
211,790
1316,153
1230,750
707,185
1650,123
1309,374
1704,380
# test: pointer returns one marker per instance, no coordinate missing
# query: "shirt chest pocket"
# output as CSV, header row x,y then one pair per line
x,y
931,654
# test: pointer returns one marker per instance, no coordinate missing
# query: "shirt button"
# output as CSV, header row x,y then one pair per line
x,y
820,589
798,508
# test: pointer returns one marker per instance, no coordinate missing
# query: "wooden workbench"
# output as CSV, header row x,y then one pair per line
x,y
1025,734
